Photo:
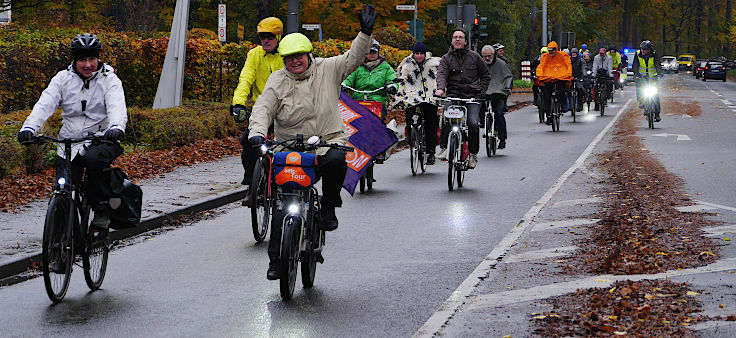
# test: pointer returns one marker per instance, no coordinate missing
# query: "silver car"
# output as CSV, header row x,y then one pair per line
x,y
669,64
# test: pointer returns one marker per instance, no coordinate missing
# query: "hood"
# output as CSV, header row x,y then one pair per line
x,y
553,44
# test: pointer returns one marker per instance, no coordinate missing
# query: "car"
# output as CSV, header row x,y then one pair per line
x,y
699,67
669,64
714,70
729,64
686,62
630,54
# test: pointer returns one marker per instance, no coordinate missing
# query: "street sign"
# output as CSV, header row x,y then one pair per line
x,y
405,7
241,31
221,22
311,26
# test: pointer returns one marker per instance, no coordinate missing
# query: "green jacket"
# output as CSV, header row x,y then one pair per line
x,y
370,79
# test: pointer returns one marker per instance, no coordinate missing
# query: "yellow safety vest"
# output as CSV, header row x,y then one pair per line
x,y
646,66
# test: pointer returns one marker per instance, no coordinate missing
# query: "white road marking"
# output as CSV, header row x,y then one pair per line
x,y
540,254
726,102
711,324
683,138
602,281
719,230
680,137
564,224
567,203
483,271
695,208
717,205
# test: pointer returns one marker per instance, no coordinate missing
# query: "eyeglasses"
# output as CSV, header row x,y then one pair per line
x,y
551,49
458,38
266,37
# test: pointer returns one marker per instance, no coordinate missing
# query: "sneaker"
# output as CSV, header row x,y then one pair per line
x,y
548,121
329,219
502,144
472,161
246,200
273,270
430,159
443,154
101,221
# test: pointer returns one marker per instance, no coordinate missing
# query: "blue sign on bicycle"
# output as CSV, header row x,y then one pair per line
x,y
368,135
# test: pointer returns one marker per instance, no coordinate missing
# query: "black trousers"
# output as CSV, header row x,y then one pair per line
x,y
560,87
431,122
332,168
498,105
248,158
473,131
97,161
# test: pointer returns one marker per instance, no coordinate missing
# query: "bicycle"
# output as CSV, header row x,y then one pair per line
x,y
293,174
66,231
417,143
457,154
262,194
600,94
490,133
539,99
366,181
574,99
556,111
649,92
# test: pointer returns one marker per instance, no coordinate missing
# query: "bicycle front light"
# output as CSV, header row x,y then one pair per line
x,y
61,181
455,128
650,91
293,209
264,149
621,80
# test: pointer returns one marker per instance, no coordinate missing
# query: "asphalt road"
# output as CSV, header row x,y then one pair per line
x,y
400,251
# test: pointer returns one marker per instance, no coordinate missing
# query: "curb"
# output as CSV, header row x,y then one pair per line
x,y
27,263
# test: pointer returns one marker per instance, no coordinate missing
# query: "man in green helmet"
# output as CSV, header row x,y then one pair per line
x,y
302,98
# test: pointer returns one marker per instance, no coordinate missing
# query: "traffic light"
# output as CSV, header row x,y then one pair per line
x,y
410,30
482,27
476,28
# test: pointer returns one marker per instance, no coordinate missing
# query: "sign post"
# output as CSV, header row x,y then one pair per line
x,y
313,26
221,23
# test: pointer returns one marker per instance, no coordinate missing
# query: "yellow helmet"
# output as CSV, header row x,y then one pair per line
x,y
271,25
543,50
295,43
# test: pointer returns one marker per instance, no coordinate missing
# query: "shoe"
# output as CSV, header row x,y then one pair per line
x,y
380,158
329,219
657,119
443,154
501,144
246,200
472,161
57,267
430,159
273,270
548,121
101,221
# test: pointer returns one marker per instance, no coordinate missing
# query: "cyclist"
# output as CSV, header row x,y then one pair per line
x,y
534,65
578,69
419,74
92,102
259,64
464,74
646,63
499,48
302,98
587,74
583,49
615,63
498,90
555,73
603,70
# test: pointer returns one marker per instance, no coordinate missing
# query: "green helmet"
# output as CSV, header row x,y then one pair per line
x,y
295,43
543,50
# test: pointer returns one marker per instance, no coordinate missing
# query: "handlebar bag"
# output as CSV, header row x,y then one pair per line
x,y
128,214
295,170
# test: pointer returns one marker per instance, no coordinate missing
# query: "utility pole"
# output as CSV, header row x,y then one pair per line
x,y
460,14
292,21
544,22
415,19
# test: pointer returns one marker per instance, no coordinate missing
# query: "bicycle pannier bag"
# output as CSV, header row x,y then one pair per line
x,y
295,170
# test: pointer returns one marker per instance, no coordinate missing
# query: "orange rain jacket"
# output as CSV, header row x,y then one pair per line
x,y
554,68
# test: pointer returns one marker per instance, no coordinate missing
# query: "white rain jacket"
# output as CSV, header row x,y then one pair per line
x,y
420,81
89,106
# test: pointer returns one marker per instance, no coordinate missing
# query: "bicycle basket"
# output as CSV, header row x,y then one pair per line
x,y
295,170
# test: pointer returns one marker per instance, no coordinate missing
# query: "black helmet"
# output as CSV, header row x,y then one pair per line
x,y
85,45
646,44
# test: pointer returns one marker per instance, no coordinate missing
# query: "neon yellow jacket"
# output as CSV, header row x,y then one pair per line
x,y
616,58
258,67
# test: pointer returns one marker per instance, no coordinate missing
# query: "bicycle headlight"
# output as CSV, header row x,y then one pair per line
x,y
621,80
650,91
455,128
264,149
589,72
61,181
293,209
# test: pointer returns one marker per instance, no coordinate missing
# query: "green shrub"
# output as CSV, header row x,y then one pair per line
x,y
520,83
394,37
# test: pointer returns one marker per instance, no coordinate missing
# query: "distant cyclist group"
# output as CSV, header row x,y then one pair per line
x,y
293,96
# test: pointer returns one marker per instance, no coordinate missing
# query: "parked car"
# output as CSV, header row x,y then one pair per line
x,y
729,64
686,62
630,54
669,64
699,67
714,70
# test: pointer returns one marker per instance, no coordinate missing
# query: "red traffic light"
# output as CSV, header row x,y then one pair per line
x,y
476,21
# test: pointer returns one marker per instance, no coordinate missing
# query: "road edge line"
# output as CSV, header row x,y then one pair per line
x,y
452,304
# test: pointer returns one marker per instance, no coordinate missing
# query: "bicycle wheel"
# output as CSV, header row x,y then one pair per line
x,y
556,121
94,259
289,256
422,149
540,111
260,210
574,107
488,135
452,157
603,107
58,248
650,118
555,113
309,259
369,176
362,182
414,149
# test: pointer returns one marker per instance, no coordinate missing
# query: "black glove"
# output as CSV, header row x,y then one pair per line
x,y
240,113
256,141
113,135
367,18
391,89
25,137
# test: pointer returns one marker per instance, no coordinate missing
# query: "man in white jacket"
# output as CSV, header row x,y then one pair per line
x,y
92,102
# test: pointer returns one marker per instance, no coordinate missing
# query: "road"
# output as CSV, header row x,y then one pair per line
x,y
400,252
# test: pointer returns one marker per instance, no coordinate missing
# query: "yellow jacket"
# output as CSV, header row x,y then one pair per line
x,y
258,67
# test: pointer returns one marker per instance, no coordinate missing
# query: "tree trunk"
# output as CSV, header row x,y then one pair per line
x,y
264,9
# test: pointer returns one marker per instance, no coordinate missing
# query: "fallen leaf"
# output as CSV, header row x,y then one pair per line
x,y
721,306
692,293
612,290
726,239
601,280
619,333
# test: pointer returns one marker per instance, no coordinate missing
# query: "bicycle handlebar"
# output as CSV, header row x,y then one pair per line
x,y
300,144
45,139
448,98
366,91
